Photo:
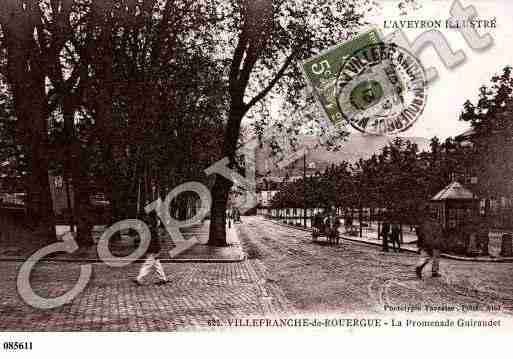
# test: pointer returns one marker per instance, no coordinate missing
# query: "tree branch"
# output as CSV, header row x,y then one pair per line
x,y
237,60
274,81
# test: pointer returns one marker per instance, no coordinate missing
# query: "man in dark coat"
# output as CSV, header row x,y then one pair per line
x,y
430,236
385,229
483,238
236,216
152,262
395,237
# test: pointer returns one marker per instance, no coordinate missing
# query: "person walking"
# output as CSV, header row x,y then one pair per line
x,y
236,215
152,262
348,224
385,229
239,218
229,217
483,236
395,237
429,238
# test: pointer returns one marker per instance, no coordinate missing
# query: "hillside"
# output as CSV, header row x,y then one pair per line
x,y
357,146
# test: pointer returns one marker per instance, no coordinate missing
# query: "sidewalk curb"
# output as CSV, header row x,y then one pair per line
x,y
241,258
442,255
98,261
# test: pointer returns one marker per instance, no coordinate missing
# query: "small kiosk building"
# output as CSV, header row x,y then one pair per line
x,y
454,206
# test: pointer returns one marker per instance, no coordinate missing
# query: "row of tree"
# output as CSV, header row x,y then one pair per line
x,y
110,95
401,179
398,178
133,97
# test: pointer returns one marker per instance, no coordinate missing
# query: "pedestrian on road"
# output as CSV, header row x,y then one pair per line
x,y
152,262
483,237
385,230
395,237
239,219
229,217
429,240
236,216
348,224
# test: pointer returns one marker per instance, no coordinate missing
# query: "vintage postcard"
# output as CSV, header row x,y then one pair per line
x,y
312,175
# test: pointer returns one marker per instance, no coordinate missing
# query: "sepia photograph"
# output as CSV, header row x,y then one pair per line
x,y
244,168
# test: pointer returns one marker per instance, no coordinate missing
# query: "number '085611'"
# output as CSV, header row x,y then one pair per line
x,y
17,346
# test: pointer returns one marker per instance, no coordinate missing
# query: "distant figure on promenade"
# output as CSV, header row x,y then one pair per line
x,y
152,262
429,240
385,231
395,237
317,224
348,224
484,238
236,216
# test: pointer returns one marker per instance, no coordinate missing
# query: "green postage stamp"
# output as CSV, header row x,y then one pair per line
x,y
321,71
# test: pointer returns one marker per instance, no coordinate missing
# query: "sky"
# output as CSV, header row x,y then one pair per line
x,y
447,94
454,86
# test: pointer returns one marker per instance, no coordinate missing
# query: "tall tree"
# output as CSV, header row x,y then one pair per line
x,y
145,92
26,67
491,120
266,40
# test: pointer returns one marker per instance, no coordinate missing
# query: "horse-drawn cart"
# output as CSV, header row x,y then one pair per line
x,y
326,227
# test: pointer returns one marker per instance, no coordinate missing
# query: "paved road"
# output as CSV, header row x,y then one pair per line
x,y
356,277
285,274
197,293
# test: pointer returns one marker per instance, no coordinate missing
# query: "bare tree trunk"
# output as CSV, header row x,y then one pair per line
x,y
84,221
74,166
256,31
83,209
221,188
220,193
26,77
39,206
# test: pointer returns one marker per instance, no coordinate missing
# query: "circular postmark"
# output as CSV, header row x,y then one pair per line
x,y
381,89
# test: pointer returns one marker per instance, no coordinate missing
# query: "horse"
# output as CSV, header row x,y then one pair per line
x,y
331,225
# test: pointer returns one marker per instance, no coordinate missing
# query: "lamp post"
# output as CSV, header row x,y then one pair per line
x,y
283,214
310,166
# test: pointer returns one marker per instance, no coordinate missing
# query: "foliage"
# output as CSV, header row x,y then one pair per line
x,y
492,121
398,178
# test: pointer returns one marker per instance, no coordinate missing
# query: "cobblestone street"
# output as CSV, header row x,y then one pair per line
x,y
285,274
197,293
352,277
